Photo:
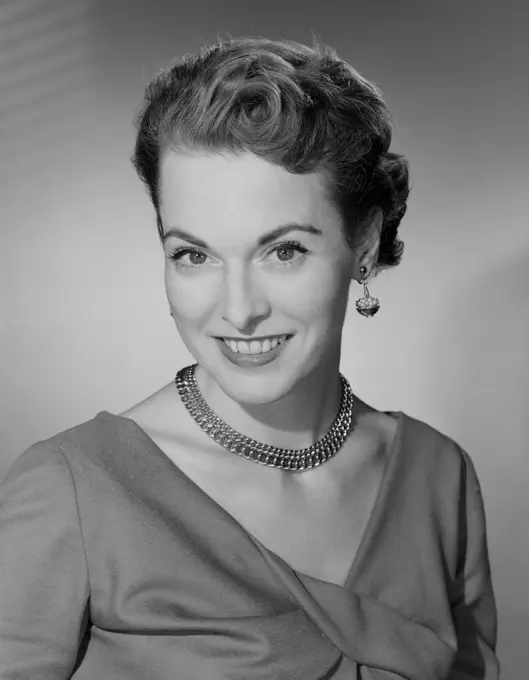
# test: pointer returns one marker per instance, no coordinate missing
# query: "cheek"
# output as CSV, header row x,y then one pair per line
x,y
318,299
188,297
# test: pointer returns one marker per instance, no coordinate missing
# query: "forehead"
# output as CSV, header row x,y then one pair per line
x,y
197,188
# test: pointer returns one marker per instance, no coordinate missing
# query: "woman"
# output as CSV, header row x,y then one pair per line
x,y
254,518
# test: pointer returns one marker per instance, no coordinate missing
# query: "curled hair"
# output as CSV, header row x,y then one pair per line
x,y
301,108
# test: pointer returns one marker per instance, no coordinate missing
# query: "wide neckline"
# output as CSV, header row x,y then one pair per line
x,y
371,527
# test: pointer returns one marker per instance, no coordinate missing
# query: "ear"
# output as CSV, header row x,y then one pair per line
x,y
368,252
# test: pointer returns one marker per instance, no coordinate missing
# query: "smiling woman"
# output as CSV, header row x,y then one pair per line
x,y
254,517
247,282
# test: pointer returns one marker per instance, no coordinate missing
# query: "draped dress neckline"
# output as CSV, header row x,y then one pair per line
x,y
375,517
379,641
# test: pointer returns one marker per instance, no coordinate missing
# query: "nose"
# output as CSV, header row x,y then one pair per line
x,y
243,303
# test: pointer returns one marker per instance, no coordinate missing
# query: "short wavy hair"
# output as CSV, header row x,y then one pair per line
x,y
298,107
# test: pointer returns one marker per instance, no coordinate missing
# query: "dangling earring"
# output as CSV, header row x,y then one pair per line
x,y
367,305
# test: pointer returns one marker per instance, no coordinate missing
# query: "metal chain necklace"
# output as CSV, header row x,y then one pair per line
x,y
287,459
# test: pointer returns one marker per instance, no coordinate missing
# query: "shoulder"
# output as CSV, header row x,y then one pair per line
x,y
104,432
39,472
39,503
436,474
430,449
411,444
435,489
77,454
418,451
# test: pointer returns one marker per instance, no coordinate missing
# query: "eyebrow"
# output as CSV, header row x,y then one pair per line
x,y
263,240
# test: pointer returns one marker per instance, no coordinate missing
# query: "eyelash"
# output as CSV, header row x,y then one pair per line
x,y
177,253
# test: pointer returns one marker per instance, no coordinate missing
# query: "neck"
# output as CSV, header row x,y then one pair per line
x,y
295,421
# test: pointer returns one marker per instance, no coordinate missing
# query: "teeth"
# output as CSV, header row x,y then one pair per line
x,y
254,347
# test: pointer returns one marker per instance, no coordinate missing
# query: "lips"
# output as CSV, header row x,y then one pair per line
x,y
265,345
252,360
248,340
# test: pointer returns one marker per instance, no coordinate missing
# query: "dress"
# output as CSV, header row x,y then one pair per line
x,y
116,565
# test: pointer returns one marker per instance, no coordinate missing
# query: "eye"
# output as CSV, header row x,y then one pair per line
x,y
177,254
289,246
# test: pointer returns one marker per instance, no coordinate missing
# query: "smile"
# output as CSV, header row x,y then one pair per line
x,y
254,346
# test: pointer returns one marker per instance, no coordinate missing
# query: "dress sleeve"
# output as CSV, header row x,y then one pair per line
x,y
473,603
43,574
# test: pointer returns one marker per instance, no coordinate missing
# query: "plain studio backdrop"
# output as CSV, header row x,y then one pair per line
x,y
84,320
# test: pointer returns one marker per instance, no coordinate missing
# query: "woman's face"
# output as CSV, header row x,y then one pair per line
x,y
236,285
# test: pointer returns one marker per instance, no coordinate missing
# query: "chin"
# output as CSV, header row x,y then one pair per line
x,y
260,386
252,387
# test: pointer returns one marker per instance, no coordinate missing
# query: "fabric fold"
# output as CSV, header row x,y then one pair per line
x,y
379,639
